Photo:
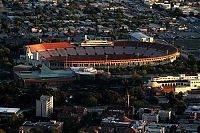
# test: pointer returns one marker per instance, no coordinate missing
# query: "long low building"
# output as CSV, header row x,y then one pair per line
x,y
177,83
121,53
27,76
45,127
8,112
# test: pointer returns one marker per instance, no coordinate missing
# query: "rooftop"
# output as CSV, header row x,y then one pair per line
x,y
9,110
43,124
23,66
195,109
44,97
138,35
45,73
49,46
192,96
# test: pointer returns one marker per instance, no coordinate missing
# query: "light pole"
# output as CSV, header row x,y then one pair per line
x,y
107,64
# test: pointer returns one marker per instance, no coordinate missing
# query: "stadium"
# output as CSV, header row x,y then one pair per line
x,y
100,54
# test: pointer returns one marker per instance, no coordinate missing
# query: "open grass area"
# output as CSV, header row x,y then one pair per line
x,y
188,43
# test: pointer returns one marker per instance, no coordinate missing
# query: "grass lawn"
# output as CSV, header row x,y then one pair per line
x,y
189,43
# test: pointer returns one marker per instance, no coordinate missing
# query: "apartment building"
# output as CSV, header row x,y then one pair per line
x,y
44,106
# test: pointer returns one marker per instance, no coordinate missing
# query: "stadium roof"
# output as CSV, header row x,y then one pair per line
x,y
9,110
49,46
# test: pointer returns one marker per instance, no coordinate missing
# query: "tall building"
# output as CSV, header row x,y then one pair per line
x,y
44,106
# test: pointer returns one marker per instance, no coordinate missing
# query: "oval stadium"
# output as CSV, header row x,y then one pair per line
x,y
100,54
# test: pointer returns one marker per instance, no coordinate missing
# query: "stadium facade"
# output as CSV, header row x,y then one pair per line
x,y
119,54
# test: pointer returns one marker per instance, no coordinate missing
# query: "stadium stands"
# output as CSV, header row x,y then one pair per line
x,y
71,51
99,50
53,52
129,50
109,50
118,50
80,51
44,54
62,51
90,50
121,53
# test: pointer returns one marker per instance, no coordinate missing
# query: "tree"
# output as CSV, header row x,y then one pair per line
x,y
135,75
195,67
2,54
92,100
111,97
180,107
179,96
191,14
7,100
198,129
173,129
13,120
198,16
153,100
177,12
81,131
158,7
2,131
144,72
6,51
38,130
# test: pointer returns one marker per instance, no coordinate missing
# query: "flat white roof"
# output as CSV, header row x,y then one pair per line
x,y
9,110
138,35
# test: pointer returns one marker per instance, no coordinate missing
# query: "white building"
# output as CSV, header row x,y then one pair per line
x,y
156,27
47,1
159,127
181,82
155,128
29,127
141,111
44,106
150,117
8,112
139,36
165,5
149,129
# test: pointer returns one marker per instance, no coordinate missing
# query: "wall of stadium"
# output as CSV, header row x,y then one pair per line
x,y
122,54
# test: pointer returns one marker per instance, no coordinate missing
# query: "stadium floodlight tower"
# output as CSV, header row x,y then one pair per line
x,y
108,67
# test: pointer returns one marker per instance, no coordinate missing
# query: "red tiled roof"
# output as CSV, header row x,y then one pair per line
x,y
48,46
168,89
125,119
